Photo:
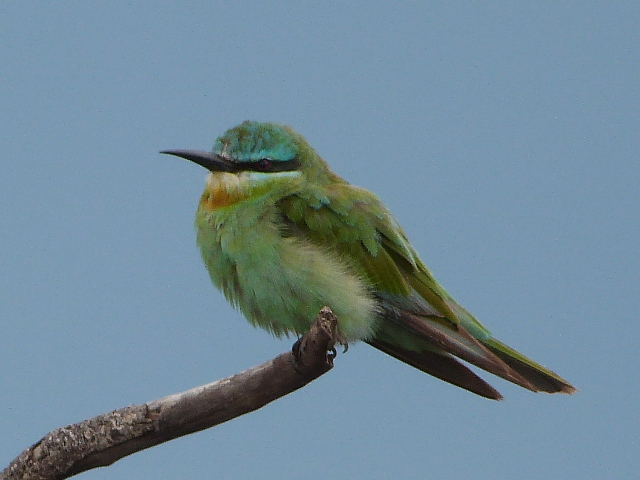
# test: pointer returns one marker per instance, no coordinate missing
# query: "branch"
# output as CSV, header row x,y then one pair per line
x,y
105,439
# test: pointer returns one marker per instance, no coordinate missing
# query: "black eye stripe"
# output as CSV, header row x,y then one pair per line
x,y
268,165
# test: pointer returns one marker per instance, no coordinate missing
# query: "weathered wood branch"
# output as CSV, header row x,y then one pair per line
x,y
105,439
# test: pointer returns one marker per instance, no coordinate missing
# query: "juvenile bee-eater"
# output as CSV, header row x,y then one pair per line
x,y
282,236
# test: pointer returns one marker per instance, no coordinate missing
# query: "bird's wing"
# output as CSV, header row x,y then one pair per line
x,y
422,316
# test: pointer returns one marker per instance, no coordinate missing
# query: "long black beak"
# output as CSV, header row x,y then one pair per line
x,y
208,160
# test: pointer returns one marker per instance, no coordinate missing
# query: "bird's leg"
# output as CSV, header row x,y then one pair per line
x,y
331,353
295,349
325,322
340,339
345,344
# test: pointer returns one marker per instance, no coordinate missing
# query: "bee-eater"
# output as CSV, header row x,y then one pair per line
x,y
282,236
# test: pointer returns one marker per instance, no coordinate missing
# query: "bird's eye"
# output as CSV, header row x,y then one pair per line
x,y
263,164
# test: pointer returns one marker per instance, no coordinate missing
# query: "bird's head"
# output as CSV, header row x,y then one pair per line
x,y
256,160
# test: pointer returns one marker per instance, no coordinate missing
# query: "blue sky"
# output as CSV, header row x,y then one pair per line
x,y
503,136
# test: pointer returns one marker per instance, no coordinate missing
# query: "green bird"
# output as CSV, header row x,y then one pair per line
x,y
282,236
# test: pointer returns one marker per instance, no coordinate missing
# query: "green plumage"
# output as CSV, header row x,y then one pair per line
x,y
282,236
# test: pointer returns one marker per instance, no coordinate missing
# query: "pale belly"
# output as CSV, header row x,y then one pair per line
x,y
280,283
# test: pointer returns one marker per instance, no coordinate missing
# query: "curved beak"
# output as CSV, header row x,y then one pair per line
x,y
208,160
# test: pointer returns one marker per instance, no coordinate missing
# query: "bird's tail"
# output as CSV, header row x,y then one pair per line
x,y
435,343
441,365
542,379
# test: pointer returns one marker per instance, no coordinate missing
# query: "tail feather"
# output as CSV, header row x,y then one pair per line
x,y
457,341
542,379
436,342
441,366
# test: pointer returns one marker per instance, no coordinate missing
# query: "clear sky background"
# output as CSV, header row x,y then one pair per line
x,y
505,137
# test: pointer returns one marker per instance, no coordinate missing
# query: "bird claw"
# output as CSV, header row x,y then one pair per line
x,y
295,349
336,338
331,353
342,341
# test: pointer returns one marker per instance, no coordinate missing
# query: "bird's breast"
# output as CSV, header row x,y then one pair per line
x,y
280,283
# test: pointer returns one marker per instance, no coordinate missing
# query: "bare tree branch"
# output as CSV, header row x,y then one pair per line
x,y
105,439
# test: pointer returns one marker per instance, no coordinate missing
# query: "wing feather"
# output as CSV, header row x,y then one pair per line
x,y
423,325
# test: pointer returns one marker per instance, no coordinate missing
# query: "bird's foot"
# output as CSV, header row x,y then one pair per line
x,y
296,349
322,333
297,354
331,353
342,341
339,339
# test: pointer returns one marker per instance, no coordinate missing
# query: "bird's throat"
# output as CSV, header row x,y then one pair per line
x,y
214,200
222,190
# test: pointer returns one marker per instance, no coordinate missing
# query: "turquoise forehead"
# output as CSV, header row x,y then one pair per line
x,y
252,141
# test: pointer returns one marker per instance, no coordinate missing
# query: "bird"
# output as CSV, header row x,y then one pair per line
x,y
281,236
